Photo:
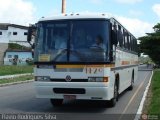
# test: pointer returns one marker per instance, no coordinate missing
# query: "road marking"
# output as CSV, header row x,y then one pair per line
x,y
133,96
139,111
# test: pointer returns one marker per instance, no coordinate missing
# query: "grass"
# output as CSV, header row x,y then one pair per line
x,y
11,70
154,106
16,79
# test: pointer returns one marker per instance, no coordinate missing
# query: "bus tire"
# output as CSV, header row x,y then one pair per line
x,y
56,102
113,101
132,83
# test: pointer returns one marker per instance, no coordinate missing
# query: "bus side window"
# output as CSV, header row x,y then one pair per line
x,y
132,43
135,45
128,46
120,36
125,40
129,42
114,35
113,42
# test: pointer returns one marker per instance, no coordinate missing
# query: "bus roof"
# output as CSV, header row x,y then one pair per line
x,y
82,16
75,16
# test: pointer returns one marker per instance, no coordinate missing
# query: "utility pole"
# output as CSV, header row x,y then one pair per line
x,y
63,6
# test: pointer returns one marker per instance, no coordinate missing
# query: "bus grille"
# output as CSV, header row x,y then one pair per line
x,y
73,80
69,90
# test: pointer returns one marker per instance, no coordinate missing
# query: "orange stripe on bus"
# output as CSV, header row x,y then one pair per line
x,y
70,66
129,62
82,66
105,65
125,62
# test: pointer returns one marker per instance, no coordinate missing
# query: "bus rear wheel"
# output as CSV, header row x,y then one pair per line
x,y
56,102
113,101
132,82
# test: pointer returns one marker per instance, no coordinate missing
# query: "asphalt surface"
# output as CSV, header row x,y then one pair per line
x,y
21,99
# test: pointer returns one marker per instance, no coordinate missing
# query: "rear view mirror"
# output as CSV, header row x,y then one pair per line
x,y
31,34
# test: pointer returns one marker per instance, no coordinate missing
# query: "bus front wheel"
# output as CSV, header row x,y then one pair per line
x,y
56,102
113,101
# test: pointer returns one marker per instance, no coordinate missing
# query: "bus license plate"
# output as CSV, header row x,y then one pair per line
x,y
69,97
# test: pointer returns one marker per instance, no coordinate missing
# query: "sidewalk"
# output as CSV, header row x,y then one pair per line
x,y
16,75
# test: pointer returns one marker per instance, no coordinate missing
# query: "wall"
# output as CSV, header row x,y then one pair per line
x,y
22,57
20,34
3,48
4,36
7,35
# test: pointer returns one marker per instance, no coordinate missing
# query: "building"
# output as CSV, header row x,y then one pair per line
x,y
3,48
18,57
11,33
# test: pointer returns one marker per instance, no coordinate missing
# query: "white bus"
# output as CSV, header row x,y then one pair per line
x,y
83,57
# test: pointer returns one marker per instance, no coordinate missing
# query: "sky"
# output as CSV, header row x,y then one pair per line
x,y
138,16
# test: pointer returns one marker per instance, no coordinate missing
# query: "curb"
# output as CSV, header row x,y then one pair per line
x,y
16,75
145,69
15,83
139,111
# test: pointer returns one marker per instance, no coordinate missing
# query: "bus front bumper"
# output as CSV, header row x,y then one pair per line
x,y
81,91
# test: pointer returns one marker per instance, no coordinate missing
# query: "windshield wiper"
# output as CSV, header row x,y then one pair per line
x,y
59,53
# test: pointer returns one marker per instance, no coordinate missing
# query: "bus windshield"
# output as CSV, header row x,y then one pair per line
x,y
72,41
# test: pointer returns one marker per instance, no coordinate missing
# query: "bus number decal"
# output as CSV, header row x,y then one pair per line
x,y
93,70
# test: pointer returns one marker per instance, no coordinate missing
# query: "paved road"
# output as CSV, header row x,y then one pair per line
x,y
21,99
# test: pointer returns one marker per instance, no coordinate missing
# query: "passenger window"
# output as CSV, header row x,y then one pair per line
x,y
120,36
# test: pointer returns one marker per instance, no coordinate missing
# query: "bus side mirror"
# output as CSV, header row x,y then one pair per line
x,y
31,34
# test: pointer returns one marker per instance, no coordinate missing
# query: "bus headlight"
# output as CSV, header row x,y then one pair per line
x,y
42,78
98,79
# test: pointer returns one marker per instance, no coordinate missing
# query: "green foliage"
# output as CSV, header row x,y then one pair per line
x,y
150,44
11,70
15,46
157,27
29,61
16,79
154,107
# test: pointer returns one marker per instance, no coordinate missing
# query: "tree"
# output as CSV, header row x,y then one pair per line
x,y
15,46
150,44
